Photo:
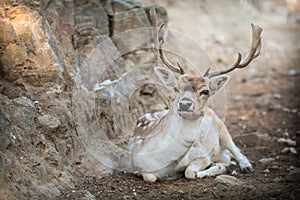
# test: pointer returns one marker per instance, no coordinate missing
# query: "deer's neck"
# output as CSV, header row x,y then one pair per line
x,y
182,129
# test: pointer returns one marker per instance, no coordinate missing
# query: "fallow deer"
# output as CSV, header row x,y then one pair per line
x,y
189,137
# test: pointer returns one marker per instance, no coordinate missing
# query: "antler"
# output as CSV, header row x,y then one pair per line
x,y
254,52
159,42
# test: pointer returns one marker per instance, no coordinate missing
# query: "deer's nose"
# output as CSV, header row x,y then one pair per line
x,y
185,104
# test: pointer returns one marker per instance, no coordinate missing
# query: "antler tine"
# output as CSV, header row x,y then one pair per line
x,y
164,59
159,42
255,45
254,52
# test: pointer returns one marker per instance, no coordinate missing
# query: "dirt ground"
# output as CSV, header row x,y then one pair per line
x,y
262,101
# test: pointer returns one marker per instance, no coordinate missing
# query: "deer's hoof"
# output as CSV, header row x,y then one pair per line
x,y
246,166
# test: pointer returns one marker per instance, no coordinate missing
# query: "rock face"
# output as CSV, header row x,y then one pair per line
x,y
26,53
59,61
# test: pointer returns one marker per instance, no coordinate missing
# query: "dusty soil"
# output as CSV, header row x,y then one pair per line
x,y
262,100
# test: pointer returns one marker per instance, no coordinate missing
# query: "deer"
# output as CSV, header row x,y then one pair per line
x,y
189,138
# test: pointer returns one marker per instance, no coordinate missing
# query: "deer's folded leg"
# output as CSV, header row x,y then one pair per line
x,y
191,172
149,177
214,170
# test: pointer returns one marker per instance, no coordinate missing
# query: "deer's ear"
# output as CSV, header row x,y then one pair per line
x,y
166,76
217,83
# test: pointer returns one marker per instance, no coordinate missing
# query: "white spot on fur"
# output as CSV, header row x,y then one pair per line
x,y
149,117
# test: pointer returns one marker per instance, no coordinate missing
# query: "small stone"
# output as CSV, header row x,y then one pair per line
x,y
266,171
233,163
285,150
293,150
265,160
291,142
292,167
228,180
274,167
287,141
234,173
277,96
281,140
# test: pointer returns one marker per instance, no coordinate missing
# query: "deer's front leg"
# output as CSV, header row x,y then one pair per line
x,y
227,143
191,172
201,168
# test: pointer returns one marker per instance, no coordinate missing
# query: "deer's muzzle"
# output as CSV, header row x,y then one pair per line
x,y
185,104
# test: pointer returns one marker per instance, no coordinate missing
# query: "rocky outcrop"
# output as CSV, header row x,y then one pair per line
x,y
59,61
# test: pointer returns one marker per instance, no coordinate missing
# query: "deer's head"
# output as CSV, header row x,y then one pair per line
x,y
193,91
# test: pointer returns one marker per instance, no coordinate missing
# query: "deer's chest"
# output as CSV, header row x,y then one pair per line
x,y
205,145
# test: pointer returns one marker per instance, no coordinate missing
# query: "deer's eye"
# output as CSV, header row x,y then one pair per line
x,y
205,92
